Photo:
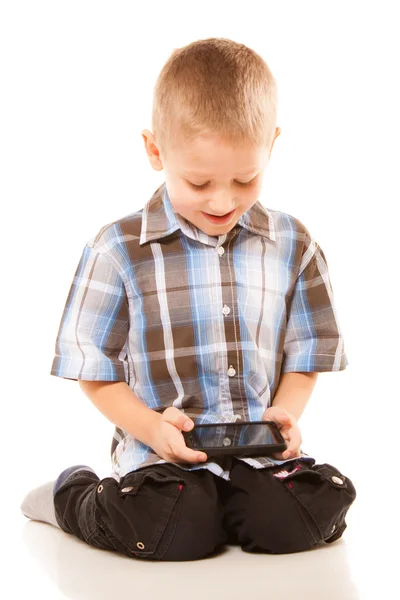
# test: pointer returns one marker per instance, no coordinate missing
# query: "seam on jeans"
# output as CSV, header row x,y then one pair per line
x,y
135,551
65,485
160,532
307,512
74,476
86,509
173,525
99,534
103,530
310,532
106,532
100,529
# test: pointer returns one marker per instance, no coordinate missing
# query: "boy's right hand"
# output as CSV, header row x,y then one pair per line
x,y
168,442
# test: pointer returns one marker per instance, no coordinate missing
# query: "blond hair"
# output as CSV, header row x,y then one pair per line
x,y
214,86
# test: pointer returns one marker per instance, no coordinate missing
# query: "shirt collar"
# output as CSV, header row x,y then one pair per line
x,y
160,220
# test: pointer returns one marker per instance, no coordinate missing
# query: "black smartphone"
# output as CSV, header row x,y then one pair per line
x,y
248,438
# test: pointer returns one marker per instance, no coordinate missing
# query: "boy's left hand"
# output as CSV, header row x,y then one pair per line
x,y
289,429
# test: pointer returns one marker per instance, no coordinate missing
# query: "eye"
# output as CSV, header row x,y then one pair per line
x,y
197,187
202,187
245,183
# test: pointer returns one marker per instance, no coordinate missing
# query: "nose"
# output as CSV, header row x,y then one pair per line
x,y
221,205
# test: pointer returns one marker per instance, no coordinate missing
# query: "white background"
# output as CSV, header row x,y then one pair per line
x,y
77,80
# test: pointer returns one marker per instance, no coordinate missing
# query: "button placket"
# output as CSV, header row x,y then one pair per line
x,y
224,393
226,310
232,371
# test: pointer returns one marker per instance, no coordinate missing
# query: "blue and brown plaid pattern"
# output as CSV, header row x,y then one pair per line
x,y
204,323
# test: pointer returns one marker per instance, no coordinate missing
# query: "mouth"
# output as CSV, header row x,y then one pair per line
x,y
220,220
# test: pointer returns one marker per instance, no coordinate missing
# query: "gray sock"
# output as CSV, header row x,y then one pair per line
x,y
38,504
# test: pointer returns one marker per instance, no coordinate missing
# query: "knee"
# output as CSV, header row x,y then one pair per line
x,y
199,528
308,508
162,514
275,532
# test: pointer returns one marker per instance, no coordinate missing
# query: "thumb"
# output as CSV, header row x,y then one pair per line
x,y
279,416
176,417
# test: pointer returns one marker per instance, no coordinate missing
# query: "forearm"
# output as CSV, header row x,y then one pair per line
x,y
116,401
294,391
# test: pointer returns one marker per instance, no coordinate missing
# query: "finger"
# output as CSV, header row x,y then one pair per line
x,y
295,454
180,451
176,417
187,454
278,419
278,455
295,439
285,418
281,418
294,443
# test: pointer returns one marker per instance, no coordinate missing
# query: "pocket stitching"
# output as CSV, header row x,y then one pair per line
x,y
154,541
298,502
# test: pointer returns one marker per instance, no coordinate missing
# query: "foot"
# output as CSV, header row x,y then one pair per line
x,y
38,504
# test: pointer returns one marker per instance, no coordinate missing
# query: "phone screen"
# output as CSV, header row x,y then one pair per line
x,y
234,435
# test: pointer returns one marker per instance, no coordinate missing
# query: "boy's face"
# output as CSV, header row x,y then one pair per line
x,y
230,179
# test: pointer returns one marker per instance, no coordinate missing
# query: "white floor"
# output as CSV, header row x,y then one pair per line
x,y
53,564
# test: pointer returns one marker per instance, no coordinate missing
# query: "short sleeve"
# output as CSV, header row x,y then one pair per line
x,y
313,338
93,332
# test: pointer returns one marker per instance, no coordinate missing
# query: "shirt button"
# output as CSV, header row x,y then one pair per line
x,y
337,480
231,371
220,250
226,310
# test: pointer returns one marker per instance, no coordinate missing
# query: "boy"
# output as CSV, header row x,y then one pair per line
x,y
203,307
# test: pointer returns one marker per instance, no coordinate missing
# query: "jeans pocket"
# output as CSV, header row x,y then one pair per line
x,y
142,510
324,494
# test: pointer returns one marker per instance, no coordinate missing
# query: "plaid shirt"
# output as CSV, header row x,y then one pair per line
x,y
204,323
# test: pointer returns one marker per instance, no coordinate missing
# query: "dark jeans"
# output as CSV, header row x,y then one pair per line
x,y
162,512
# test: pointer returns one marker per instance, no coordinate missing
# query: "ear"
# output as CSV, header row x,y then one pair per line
x,y
152,150
277,132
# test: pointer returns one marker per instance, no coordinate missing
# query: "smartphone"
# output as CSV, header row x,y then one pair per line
x,y
248,438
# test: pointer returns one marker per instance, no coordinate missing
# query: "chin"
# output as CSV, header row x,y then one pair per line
x,y
221,229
